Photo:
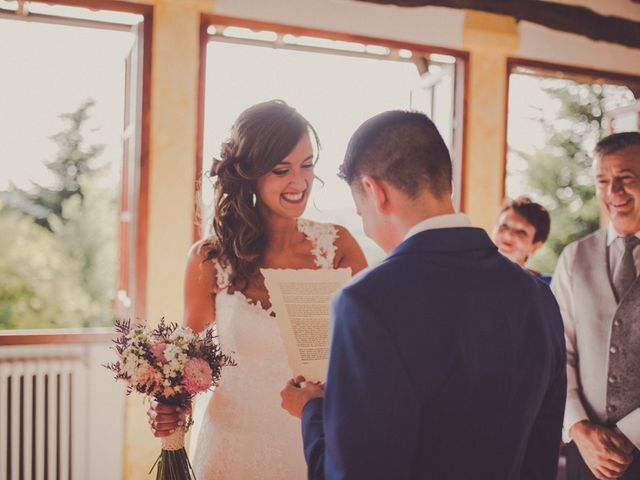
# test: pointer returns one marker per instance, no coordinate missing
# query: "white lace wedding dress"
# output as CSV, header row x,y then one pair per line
x,y
241,432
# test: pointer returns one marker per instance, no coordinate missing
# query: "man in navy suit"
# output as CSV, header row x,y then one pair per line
x,y
447,360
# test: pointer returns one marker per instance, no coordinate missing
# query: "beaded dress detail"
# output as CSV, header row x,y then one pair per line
x,y
240,431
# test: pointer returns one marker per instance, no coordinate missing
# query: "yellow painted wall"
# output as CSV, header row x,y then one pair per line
x,y
174,83
490,39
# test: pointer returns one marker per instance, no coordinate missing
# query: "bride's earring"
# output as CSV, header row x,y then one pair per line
x,y
254,200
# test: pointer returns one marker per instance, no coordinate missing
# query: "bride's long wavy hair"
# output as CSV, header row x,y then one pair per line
x,y
261,137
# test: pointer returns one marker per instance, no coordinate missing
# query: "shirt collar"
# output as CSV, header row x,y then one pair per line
x,y
612,234
450,220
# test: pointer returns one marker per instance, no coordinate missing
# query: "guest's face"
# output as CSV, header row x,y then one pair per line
x,y
514,235
618,188
284,191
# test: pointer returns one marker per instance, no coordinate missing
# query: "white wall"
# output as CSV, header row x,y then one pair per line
x,y
426,25
443,27
540,43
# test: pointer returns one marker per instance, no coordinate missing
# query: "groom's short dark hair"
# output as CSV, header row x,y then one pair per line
x,y
403,148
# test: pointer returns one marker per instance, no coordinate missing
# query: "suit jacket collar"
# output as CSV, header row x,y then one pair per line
x,y
449,220
445,240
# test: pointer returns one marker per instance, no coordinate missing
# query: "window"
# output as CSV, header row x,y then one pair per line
x,y
70,157
556,115
336,82
624,119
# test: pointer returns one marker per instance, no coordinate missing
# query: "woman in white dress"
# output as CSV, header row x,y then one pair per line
x,y
263,182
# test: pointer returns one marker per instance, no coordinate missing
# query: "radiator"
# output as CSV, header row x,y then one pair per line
x,y
43,413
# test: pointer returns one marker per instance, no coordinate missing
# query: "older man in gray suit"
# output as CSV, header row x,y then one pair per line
x,y
597,287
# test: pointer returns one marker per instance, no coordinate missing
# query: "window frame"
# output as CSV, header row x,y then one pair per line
x,y
555,70
141,188
460,93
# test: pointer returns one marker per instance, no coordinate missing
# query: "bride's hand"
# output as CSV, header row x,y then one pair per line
x,y
298,392
165,418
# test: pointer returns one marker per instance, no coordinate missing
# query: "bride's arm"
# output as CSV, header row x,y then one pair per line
x,y
199,311
199,290
348,252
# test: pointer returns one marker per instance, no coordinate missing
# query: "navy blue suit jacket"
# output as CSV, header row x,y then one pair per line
x,y
447,362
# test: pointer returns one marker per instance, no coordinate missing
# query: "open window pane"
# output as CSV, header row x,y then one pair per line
x,y
336,85
62,105
553,126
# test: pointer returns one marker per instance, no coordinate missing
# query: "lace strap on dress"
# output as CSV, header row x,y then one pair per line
x,y
323,237
223,274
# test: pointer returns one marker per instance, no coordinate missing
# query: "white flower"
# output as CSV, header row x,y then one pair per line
x,y
181,336
175,359
137,336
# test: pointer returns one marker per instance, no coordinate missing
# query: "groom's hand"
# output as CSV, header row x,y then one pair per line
x,y
298,392
165,418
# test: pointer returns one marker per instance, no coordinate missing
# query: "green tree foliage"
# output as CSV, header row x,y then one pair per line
x,y
58,251
87,232
559,175
72,164
41,286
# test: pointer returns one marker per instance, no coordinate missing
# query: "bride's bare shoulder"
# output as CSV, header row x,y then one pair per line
x,y
201,266
348,251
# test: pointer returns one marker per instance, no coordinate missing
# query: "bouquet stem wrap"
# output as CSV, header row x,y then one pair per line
x,y
173,442
173,462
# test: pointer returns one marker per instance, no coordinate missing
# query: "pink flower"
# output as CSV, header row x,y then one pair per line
x,y
149,377
196,375
166,392
158,352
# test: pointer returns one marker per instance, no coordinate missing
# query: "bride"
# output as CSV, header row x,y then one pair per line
x,y
263,181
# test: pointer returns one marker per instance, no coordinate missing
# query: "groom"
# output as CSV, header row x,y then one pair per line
x,y
447,359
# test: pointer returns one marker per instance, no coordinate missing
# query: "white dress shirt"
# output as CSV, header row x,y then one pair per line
x,y
561,286
450,220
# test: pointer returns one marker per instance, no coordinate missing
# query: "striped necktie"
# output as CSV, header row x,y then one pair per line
x,y
626,273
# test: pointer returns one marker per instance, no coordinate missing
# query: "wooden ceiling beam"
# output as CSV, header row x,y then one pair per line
x,y
557,16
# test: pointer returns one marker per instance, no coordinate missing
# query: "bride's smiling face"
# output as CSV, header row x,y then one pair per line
x,y
284,191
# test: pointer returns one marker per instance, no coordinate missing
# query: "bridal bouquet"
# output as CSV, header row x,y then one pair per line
x,y
172,364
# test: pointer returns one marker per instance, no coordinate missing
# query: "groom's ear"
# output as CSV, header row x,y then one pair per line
x,y
377,192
